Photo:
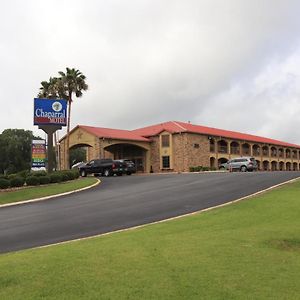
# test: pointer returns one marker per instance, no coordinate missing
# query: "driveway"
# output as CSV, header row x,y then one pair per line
x,y
123,202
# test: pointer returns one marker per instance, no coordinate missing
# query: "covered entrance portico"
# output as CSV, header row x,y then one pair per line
x,y
108,143
135,153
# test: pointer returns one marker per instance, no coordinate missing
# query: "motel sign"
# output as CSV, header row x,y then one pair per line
x,y
50,112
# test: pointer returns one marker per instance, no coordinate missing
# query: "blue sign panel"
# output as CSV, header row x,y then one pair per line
x,y
50,112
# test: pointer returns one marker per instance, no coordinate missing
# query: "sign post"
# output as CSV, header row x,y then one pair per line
x,y
50,115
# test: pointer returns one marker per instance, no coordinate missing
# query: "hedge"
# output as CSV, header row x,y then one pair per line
x,y
4,183
32,180
36,178
17,182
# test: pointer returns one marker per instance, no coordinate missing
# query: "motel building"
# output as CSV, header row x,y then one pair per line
x,y
177,146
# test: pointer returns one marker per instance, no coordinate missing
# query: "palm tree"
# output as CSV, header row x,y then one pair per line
x,y
48,89
69,84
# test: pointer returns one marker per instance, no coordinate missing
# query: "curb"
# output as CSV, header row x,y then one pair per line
x,y
51,196
173,218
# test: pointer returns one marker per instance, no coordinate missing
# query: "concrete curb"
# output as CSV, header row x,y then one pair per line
x,y
51,196
173,218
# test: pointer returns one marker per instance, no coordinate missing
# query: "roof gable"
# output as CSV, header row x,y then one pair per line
x,y
114,133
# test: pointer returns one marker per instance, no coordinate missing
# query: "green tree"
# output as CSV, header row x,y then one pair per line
x,y
15,150
77,155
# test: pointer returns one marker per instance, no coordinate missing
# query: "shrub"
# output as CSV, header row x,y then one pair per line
x,y
70,174
55,177
11,176
205,169
23,173
198,169
192,169
44,179
76,173
39,173
4,183
32,180
17,182
64,176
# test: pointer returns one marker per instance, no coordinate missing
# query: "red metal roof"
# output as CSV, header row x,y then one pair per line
x,y
114,133
177,127
143,134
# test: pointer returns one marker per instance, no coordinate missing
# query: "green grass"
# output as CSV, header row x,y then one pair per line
x,y
43,191
249,250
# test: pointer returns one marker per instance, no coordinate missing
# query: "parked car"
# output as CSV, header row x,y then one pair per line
x,y
242,164
78,165
129,166
105,167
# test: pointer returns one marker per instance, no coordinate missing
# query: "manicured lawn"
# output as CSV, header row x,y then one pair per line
x,y
43,191
249,250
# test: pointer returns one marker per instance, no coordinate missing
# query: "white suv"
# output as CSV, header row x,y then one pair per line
x,y
243,164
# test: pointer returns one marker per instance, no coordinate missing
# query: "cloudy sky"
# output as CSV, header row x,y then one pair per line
x,y
231,64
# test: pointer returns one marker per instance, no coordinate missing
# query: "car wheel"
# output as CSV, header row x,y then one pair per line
x,y
83,173
106,172
128,173
243,169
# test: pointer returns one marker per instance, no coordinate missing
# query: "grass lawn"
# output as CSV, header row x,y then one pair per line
x,y
249,250
43,191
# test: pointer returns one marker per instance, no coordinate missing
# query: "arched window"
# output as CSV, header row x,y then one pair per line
x,y
212,145
256,150
245,149
235,148
265,150
222,146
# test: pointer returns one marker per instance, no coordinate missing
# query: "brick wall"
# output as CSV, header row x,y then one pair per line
x,y
154,154
190,150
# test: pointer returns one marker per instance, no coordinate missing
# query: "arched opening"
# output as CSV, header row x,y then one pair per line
x,y
281,166
280,152
222,160
212,162
265,150
295,154
234,148
274,165
245,149
295,166
256,150
128,151
288,153
212,145
273,152
258,165
265,165
288,166
80,153
222,146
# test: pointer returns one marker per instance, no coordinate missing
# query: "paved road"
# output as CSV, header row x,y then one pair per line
x,y
122,202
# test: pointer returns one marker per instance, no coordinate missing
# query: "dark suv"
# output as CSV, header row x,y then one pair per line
x,y
105,167
242,164
129,166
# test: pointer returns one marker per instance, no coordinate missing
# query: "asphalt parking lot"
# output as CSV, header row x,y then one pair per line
x,y
123,202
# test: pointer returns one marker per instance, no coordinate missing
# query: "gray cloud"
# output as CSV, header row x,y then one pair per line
x,y
154,61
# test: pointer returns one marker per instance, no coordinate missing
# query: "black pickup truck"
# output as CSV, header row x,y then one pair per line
x,y
105,167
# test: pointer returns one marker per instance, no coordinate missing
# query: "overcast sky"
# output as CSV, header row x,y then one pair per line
x,y
231,64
